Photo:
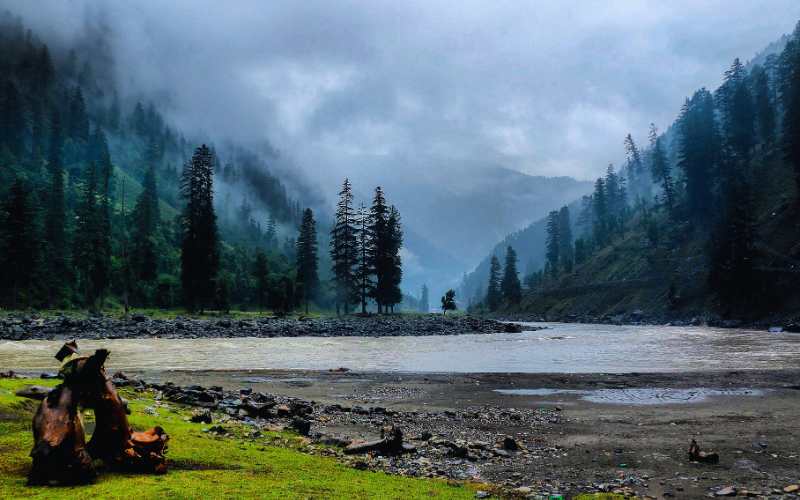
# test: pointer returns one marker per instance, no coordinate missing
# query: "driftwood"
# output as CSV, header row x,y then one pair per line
x,y
60,453
115,442
696,455
391,443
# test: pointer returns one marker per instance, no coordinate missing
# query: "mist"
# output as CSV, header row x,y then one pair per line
x,y
363,88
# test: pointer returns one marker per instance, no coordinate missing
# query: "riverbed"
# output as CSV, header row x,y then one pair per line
x,y
559,348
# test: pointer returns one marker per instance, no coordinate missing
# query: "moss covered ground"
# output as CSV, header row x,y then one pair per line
x,y
204,465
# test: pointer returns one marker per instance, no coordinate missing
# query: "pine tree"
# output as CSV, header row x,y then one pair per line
x,y
424,301
493,295
789,86
306,255
366,286
199,248
381,250
87,234
395,265
565,252
271,235
78,119
20,255
12,120
638,180
56,255
553,244
599,213
764,107
261,272
615,201
659,166
343,248
146,218
510,285
738,115
698,152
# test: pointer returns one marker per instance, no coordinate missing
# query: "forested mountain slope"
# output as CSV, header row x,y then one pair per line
x,y
90,182
702,225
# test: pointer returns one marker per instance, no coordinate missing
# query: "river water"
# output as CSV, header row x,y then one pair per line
x,y
564,348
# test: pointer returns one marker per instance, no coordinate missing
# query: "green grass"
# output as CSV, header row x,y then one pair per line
x,y
202,465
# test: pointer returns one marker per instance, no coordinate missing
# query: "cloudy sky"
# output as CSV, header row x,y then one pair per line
x,y
544,87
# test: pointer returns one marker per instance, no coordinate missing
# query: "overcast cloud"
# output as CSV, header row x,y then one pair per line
x,y
347,87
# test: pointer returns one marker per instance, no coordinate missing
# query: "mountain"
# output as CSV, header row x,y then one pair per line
x,y
455,214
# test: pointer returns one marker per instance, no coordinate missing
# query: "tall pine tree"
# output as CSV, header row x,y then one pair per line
x,y
510,285
344,250
493,294
146,218
56,251
20,251
306,256
199,247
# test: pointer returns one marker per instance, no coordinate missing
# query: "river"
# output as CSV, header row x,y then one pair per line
x,y
563,348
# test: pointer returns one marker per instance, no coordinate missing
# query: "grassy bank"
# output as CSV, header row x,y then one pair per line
x,y
203,465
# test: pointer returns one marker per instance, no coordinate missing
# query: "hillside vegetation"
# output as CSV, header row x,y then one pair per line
x,y
702,226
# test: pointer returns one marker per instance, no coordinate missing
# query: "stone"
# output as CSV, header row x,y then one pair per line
x,y
510,444
792,488
727,491
301,425
201,416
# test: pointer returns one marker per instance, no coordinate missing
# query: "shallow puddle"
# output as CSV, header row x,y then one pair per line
x,y
638,396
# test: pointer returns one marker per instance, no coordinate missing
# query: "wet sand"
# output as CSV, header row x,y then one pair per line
x,y
591,444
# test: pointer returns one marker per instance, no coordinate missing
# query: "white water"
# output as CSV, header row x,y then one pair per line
x,y
568,348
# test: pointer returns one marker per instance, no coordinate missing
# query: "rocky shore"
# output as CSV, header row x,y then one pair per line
x,y
457,427
140,326
638,317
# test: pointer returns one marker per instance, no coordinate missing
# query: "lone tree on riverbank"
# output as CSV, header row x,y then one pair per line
x,y
306,244
449,302
199,248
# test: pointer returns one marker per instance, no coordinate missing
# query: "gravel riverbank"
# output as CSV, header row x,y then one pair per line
x,y
140,326
553,442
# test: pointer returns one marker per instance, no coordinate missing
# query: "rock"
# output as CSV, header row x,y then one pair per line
x,y
218,429
48,376
727,491
523,490
746,465
482,494
283,410
792,488
510,444
301,425
201,416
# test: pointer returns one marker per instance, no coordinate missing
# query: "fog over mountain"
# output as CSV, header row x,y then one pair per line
x,y
422,96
